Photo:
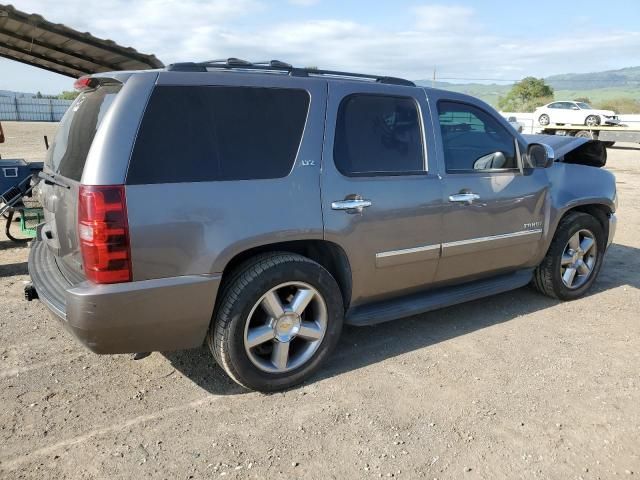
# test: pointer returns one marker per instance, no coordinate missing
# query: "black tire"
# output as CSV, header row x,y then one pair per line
x,y
544,120
547,278
244,288
592,120
584,134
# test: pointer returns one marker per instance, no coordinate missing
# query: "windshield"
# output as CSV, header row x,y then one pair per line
x,y
584,106
69,150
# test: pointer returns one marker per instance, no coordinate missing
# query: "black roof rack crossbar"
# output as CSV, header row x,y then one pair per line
x,y
278,66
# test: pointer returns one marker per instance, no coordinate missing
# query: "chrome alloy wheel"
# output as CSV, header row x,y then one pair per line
x,y
285,327
578,259
592,121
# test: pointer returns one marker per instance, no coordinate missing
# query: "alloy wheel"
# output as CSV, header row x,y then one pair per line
x,y
285,327
579,259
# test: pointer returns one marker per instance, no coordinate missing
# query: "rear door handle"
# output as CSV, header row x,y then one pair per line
x,y
355,205
466,198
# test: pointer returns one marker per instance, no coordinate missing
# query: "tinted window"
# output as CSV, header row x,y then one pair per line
x,y
474,140
584,106
68,152
196,134
377,134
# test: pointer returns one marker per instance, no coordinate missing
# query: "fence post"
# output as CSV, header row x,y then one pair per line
x,y
51,109
15,101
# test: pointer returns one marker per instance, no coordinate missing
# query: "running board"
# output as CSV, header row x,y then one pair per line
x,y
432,300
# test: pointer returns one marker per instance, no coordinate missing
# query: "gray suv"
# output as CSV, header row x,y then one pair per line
x,y
258,207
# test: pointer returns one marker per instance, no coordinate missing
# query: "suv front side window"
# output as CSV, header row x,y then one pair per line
x,y
378,135
473,140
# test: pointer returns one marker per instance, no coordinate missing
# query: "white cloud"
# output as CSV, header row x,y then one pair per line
x,y
304,3
443,17
448,37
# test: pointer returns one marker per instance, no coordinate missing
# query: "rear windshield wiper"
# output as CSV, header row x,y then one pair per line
x,y
50,179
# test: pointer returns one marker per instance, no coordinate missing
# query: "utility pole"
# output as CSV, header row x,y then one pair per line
x,y
433,82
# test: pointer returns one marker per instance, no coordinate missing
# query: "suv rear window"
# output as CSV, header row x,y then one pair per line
x,y
209,133
68,152
378,135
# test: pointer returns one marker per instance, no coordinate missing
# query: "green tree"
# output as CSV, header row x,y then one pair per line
x,y
66,95
526,95
38,95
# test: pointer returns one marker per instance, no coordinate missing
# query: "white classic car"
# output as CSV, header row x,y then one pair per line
x,y
576,113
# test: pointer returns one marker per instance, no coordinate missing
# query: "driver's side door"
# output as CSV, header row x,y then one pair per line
x,y
493,210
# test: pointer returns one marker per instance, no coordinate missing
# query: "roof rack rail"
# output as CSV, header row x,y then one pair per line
x,y
278,66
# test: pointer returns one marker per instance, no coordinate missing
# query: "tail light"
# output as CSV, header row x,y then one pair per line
x,y
85,83
103,232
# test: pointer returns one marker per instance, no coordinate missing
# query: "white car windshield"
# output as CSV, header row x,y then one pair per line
x,y
584,106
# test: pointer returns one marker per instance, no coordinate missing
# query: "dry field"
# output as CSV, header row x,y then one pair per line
x,y
513,386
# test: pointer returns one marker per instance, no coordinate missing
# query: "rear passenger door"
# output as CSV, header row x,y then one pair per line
x,y
381,196
223,163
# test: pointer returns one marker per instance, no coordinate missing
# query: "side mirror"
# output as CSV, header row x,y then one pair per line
x,y
540,155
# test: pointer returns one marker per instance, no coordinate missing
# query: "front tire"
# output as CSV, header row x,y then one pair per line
x,y
592,121
574,258
278,320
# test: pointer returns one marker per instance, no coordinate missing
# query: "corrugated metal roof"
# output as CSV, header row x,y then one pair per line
x,y
30,39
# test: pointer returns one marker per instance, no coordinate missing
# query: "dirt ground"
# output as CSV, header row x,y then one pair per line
x,y
512,386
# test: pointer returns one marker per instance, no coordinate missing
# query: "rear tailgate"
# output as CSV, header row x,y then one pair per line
x,y
65,161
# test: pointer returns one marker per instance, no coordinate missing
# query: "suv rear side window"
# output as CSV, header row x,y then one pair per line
x,y
378,134
68,152
474,140
209,133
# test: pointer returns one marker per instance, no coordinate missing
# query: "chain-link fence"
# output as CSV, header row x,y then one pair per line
x,y
33,109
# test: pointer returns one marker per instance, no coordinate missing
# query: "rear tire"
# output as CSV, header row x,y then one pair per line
x,y
544,120
278,319
574,258
584,134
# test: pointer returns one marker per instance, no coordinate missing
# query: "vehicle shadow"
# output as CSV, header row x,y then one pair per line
x,y
12,269
624,147
8,244
363,346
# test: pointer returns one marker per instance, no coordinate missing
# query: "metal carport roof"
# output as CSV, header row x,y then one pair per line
x,y
30,39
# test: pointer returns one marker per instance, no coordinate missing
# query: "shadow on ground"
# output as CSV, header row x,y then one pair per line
x,y
362,346
625,147
8,244
11,269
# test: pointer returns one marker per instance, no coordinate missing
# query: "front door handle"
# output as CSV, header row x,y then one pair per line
x,y
467,198
351,205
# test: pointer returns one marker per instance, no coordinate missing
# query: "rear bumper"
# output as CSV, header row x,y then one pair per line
x,y
150,315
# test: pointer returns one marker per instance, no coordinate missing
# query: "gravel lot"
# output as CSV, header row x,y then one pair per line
x,y
513,386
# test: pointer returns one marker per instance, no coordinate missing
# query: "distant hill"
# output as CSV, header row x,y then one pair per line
x,y
625,77
597,86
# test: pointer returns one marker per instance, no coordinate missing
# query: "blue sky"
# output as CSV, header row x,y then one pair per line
x,y
460,38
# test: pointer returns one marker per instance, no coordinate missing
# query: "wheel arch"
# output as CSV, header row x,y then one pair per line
x,y
597,209
328,254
